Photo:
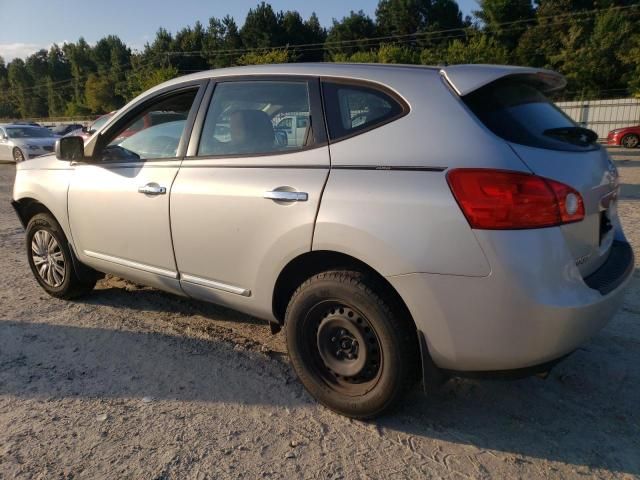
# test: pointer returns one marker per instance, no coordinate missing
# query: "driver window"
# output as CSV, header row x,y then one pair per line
x,y
153,133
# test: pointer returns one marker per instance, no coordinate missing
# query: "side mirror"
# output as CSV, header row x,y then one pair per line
x,y
70,148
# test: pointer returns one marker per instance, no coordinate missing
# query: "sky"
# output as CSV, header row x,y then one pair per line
x,y
29,25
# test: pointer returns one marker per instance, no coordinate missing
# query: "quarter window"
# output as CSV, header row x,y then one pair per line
x,y
256,118
355,108
153,133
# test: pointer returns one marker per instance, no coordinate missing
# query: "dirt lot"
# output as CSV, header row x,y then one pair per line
x,y
135,383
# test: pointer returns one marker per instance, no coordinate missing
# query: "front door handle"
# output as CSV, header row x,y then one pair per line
x,y
152,189
284,196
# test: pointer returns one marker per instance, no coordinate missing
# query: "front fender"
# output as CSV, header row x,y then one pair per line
x,y
48,187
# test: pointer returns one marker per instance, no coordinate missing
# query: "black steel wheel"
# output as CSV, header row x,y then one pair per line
x,y
351,347
348,354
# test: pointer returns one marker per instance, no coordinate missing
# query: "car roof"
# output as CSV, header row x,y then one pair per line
x,y
463,78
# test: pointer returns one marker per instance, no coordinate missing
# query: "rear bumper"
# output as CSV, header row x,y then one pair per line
x,y
533,308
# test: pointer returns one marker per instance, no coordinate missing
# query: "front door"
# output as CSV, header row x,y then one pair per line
x,y
119,200
245,200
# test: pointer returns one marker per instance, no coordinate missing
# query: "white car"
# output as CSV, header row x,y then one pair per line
x,y
21,142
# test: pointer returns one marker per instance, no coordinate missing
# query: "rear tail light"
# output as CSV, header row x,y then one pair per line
x,y
505,200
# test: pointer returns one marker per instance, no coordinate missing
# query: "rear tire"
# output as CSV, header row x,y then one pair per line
x,y
351,347
51,261
630,141
18,156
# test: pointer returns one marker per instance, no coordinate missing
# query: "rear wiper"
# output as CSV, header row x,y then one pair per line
x,y
578,135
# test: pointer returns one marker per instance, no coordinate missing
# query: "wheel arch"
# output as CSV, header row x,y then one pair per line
x,y
310,263
26,208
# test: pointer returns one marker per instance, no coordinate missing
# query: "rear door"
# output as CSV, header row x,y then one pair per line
x,y
245,199
553,146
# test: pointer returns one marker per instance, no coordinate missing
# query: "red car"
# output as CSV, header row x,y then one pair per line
x,y
628,137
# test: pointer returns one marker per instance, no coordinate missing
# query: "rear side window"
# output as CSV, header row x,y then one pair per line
x,y
519,112
353,109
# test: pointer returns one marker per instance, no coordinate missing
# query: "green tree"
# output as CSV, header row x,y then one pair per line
x,y
350,34
59,89
479,48
515,13
81,64
222,42
264,57
262,28
592,59
99,94
7,109
20,84
144,76
406,17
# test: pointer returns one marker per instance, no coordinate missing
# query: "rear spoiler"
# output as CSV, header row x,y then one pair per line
x,y
465,79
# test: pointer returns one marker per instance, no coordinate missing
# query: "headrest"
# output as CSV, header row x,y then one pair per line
x,y
251,130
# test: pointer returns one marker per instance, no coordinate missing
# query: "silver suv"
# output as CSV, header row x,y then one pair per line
x,y
427,222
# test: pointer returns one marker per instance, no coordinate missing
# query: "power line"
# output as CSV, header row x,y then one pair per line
x,y
128,65
372,42
407,35
362,42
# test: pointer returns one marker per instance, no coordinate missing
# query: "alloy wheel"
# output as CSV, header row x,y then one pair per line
x,y
630,141
18,156
48,258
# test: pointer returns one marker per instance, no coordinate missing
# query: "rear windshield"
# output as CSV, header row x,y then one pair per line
x,y
519,112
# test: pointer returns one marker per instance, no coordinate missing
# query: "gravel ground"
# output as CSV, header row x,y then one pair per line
x,y
134,383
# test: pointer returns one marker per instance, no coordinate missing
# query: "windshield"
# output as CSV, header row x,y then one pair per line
x,y
29,132
519,112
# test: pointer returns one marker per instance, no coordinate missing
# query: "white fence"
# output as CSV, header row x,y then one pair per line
x,y
601,116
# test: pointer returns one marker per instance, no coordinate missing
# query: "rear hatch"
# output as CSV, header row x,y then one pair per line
x,y
513,104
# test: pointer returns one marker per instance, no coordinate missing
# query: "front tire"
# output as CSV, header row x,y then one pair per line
x,y
352,348
50,259
18,156
630,141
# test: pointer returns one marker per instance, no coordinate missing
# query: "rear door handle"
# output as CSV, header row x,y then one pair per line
x,y
284,196
152,189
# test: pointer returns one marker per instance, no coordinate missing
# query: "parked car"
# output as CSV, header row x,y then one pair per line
x,y
294,127
386,248
628,137
27,122
20,142
64,129
94,127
